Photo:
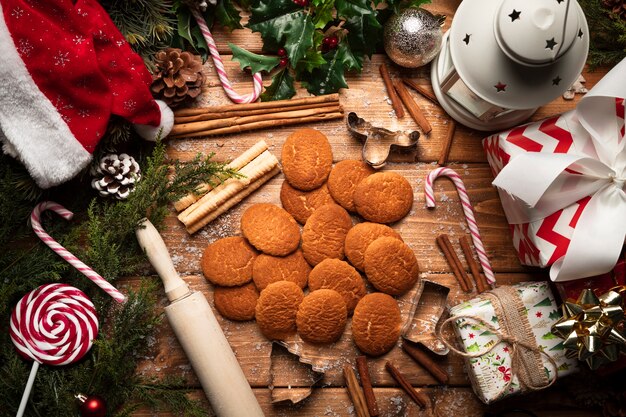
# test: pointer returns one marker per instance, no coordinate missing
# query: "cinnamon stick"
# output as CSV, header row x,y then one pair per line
x,y
259,105
242,160
266,123
241,113
414,109
391,91
473,265
426,362
447,143
186,128
236,199
418,397
368,391
453,260
424,92
355,393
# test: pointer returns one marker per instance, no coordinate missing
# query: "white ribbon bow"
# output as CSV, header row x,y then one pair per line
x,y
548,182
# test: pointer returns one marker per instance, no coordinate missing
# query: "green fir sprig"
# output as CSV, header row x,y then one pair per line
x,y
608,34
102,234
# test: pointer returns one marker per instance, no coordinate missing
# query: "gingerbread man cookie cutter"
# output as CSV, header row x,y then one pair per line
x,y
378,141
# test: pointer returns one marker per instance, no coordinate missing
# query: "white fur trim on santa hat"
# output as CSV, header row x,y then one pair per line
x,y
152,133
34,131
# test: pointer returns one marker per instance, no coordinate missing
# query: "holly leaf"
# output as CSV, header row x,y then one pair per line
x,y
255,62
191,32
312,59
414,3
228,15
298,38
353,60
328,78
281,87
270,17
360,21
323,12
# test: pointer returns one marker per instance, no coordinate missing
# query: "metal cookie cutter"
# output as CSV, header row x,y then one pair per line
x,y
378,142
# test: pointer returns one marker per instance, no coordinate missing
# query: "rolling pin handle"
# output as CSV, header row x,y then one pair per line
x,y
152,244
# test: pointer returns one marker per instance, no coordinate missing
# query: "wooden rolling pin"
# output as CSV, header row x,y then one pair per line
x,y
200,335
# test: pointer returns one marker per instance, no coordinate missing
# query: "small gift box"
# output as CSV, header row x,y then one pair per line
x,y
561,183
507,340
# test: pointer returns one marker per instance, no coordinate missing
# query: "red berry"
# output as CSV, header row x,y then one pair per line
x,y
284,62
326,40
281,51
333,41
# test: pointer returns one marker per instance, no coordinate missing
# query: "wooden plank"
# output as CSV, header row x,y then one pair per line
x,y
393,402
368,98
253,349
419,229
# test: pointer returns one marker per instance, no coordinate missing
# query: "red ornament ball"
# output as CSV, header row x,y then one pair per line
x,y
93,406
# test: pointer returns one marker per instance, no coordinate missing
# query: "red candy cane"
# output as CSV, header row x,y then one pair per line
x,y
219,66
467,210
64,253
55,324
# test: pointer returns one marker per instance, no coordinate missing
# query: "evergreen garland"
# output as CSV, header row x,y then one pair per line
x,y
102,235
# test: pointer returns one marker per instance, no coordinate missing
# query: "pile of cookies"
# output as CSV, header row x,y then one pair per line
x,y
263,274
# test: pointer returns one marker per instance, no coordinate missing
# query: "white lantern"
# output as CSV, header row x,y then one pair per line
x,y
502,59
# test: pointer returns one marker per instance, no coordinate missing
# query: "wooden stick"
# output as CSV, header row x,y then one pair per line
x,y
447,144
418,397
366,382
236,164
259,105
424,92
232,201
414,109
473,265
265,124
263,164
186,128
450,255
355,393
426,362
391,91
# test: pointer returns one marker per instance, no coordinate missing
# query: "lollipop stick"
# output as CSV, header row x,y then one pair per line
x,y
29,386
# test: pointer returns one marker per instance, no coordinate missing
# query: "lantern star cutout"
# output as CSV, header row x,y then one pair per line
x,y
551,43
466,39
514,15
500,87
592,328
580,33
556,80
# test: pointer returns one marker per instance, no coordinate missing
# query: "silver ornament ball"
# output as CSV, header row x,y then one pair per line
x,y
412,38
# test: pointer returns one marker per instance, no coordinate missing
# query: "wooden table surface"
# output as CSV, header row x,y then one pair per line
x,y
367,97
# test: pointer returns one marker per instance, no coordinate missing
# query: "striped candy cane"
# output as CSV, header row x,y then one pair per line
x,y
219,66
467,210
64,253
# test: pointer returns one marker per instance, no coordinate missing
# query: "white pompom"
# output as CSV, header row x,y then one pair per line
x,y
151,133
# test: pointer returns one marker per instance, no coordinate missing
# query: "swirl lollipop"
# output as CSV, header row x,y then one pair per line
x,y
55,324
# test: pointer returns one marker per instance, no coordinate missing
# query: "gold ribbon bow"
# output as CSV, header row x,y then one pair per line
x,y
593,327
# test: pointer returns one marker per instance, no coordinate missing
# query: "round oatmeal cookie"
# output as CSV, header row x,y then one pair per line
x,y
236,303
391,266
344,178
324,233
376,324
307,159
322,317
268,269
228,262
340,276
384,197
276,309
270,229
360,237
301,204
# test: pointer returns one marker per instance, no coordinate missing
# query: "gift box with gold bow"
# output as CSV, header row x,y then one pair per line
x,y
507,341
561,182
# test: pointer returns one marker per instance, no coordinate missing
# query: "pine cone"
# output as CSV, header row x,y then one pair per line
x,y
178,77
115,175
618,7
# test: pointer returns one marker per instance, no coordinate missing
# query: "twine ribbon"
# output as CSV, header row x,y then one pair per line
x,y
219,66
515,330
64,253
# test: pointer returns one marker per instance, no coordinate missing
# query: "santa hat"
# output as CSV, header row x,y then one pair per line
x,y
65,70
